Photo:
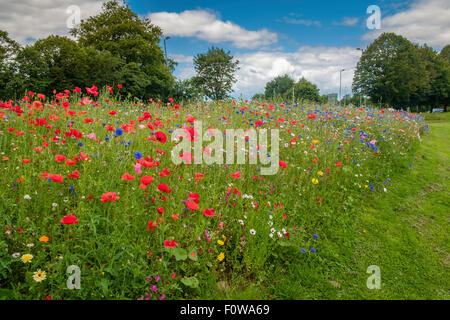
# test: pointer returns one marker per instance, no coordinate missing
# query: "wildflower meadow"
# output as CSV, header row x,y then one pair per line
x,y
93,204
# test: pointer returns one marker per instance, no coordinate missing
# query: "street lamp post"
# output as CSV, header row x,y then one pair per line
x,y
340,85
165,48
360,97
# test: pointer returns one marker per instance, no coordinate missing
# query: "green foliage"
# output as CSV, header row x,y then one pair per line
x,y
185,90
445,53
215,73
259,97
8,50
110,47
280,87
306,91
395,72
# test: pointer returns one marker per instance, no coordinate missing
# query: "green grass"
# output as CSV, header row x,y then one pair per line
x,y
405,232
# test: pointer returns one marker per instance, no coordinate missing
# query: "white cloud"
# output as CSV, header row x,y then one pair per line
x,y
425,21
30,20
319,65
347,21
205,25
181,58
305,22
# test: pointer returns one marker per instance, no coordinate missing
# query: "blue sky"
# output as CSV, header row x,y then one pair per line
x,y
303,38
286,18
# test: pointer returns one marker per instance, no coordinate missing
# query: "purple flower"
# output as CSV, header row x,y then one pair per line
x,y
157,278
162,297
313,250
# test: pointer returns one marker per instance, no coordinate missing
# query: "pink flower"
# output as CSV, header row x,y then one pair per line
x,y
137,168
186,157
92,136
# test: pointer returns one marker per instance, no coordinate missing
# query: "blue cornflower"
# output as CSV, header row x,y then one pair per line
x,y
119,132
138,155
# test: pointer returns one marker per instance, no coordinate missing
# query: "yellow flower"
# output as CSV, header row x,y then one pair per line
x,y
220,242
315,181
224,238
315,141
320,173
27,258
39,275
43,239
220,257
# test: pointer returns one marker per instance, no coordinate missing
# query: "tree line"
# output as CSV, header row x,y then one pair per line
x,y
119,47
287,89
396,73
114,47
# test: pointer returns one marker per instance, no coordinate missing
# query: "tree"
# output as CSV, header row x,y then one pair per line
x,y
8,50
390,71
281,86
445,53
438,74
185,90
259,97
306,91
215,73
122,32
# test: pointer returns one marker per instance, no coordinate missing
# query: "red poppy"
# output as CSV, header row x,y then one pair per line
x,y
160,210
170,244
127,177
283,164
70,219
146,180
109,196
164,188
338,164
161,137
209,212
60,158
192,205
152,226
74,175
56,177
236,175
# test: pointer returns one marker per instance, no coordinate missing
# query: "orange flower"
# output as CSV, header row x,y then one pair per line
x,y
43,239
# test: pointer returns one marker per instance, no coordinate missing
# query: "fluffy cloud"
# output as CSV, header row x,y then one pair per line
x,y
29,20
320,65
304,22
347,21
425,21
205,25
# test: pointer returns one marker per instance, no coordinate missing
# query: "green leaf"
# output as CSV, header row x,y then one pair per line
x,y
180,254
193,258
190,282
